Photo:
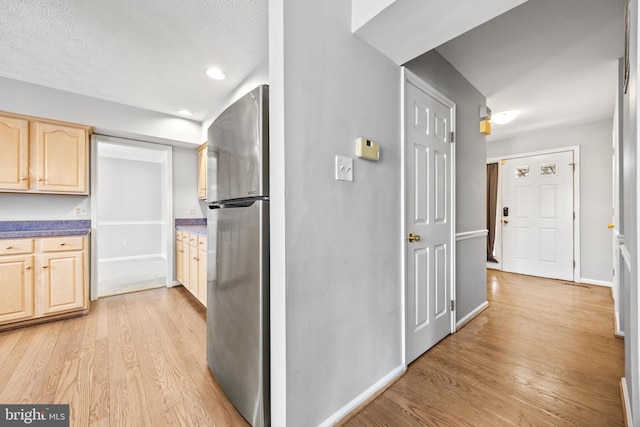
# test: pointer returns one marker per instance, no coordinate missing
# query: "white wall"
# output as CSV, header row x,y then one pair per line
x,y
336,246
129,208
596,198
108,118
185,184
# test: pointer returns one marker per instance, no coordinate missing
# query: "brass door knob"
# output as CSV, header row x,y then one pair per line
x,y
611,225
506,221
413,237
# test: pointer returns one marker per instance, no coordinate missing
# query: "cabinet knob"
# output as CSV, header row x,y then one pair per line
x,y
23,178
28,267
9,247
62,244
45,266
40,179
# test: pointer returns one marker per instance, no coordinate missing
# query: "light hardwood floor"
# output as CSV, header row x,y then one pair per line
x,y
135,360
542,354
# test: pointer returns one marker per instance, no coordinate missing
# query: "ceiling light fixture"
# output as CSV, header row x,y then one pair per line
x,y
505,116
185,113
216,73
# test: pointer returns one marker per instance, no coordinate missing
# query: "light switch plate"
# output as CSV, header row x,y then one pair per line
x,y
344,168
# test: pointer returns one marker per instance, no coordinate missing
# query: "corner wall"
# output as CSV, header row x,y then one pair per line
x,y
336,260
471,178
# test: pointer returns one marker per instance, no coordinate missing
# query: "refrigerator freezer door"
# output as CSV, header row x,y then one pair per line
x,y
238,151
238,308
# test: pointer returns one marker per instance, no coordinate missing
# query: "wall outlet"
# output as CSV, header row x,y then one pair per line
x,y
126,242
344,168
191,209
81,210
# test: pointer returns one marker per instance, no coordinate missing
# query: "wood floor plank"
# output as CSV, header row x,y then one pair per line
x,y
542,354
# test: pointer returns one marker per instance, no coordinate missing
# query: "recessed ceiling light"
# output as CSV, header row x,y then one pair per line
x,y
505,116
185,113
216,73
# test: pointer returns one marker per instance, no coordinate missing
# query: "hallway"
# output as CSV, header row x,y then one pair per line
x,y
542,354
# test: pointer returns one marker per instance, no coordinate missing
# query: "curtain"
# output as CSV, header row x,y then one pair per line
x,y
492,207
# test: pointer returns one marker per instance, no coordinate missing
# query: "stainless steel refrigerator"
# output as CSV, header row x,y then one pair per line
x,y
238,235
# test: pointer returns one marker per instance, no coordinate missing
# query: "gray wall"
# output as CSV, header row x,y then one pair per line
x,y
596,185
336,246
629,209
471,176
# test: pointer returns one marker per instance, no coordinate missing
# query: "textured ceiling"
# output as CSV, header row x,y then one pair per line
x,y
150,54
554,60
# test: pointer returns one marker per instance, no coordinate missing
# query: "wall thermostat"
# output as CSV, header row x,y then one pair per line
x,y
367,149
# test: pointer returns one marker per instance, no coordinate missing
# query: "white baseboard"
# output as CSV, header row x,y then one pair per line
x,y
619,332
362,397
596,282
131,258
466,319
626,403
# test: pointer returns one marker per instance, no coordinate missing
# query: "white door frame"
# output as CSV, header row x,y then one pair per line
x,y
167,204
576,199
409,77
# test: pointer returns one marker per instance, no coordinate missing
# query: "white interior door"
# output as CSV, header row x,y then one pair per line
x,y
428,220
537,216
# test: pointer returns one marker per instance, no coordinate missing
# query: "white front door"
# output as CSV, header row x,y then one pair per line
x,y
537,216
428,237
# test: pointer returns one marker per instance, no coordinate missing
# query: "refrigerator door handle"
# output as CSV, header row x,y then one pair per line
x,y
237,203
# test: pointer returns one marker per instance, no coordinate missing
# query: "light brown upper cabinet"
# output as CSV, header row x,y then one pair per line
x,y
14,146
202,171
41,156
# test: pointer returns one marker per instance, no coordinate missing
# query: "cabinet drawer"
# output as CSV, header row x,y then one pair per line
x,y
16,246
59,244
202,242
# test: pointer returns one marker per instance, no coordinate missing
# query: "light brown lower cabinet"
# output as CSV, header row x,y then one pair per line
x,y
42,278
191,263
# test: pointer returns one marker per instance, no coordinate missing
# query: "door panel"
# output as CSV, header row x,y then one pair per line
x,y
538,231
428,201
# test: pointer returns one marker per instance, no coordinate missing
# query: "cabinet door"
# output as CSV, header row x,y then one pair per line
x,y
14,161
193,270
202,276
60,158
16,288
202,171
179,266
185,260
62,285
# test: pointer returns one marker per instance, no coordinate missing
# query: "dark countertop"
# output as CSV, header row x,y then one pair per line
x,y
192,225
18,229
196,229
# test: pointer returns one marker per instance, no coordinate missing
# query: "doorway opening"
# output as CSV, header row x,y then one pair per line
x,y
131,209
537,219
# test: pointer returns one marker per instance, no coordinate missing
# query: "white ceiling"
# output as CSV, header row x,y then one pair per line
x,y
150,54
554,60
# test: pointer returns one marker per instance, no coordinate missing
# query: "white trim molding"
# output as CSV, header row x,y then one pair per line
x,y
472,315
596,282
471,234
362,397
626,402
132,258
